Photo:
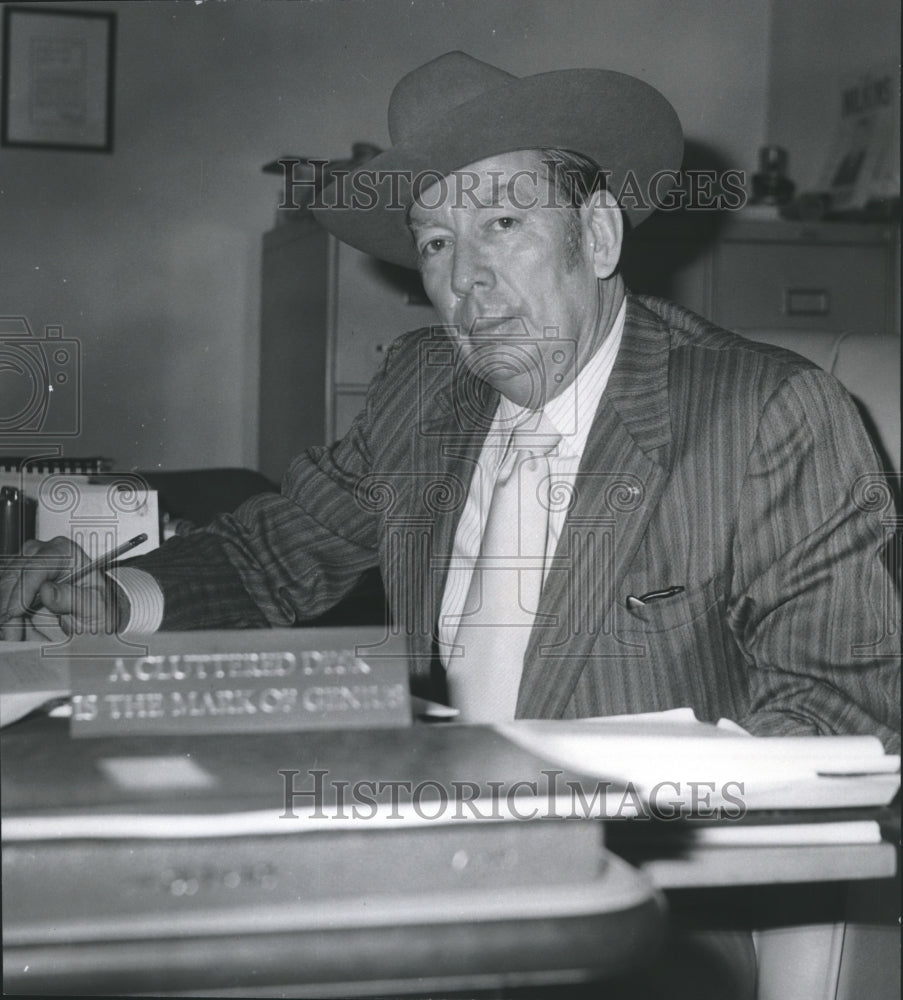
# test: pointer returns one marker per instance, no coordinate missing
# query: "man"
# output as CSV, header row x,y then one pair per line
x,y
677,503
689,534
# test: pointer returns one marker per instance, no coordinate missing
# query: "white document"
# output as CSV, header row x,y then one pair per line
x,y
97,516
29,679
698,762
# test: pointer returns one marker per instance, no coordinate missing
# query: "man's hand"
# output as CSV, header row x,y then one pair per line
x,y
35,602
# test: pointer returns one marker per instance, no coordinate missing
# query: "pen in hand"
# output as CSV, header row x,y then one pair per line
x,y
104,561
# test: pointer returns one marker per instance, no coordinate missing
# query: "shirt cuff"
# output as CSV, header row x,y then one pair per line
x,y
145,598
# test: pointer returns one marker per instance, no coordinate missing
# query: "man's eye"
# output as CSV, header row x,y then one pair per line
x,y
432,247
505,222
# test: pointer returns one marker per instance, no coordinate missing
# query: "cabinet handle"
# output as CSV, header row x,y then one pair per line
x,y
807,302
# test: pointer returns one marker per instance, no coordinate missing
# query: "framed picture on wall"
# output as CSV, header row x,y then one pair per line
x,y
58,78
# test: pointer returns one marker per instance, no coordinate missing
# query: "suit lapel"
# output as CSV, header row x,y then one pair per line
x,y
622,474
446,448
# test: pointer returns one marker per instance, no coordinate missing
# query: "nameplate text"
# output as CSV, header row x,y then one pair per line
x,y
241,681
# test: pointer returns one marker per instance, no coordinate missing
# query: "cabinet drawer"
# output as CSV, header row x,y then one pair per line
x,y
375,303
782,286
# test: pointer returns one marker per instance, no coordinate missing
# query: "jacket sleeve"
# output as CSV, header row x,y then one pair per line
x,y
816,606
279,558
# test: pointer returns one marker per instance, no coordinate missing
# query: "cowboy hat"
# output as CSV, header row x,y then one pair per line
x,y
456,110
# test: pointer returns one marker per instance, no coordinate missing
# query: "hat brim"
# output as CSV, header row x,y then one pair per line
x,y
624,124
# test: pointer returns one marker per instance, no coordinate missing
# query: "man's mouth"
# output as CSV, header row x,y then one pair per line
x,y
497,326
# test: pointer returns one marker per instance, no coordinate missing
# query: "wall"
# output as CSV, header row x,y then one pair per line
x,y
150,256
814,47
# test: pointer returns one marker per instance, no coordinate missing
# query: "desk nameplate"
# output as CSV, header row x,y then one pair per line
x,y
243,681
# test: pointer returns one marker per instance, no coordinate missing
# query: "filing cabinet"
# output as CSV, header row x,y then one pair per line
x,y
759,275
328,315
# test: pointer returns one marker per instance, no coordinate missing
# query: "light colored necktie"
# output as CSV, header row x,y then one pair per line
x,y
485,668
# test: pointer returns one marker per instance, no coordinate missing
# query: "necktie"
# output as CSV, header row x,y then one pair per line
x,y
500,609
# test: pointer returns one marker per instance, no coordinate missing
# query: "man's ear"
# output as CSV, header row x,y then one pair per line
x,y
607,228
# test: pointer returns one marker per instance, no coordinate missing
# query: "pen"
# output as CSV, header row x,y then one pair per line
x,y
102,562
653,595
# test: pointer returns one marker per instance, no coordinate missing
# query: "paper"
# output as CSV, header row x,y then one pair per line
x,y
29,678
864,162
863,831
422,708
98,516
704,765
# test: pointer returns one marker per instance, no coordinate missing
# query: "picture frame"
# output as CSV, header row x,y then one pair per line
x,y
58,79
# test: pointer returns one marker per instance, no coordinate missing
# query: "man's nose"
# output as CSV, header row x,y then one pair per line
x,y
470,268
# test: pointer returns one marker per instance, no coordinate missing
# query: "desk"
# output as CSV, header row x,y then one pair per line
x,y
785,864
364,947
531,931
342,928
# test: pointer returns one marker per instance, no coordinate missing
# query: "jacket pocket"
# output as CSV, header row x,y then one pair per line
x,y
666,613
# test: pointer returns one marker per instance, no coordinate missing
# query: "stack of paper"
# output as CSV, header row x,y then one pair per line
x,y
702,767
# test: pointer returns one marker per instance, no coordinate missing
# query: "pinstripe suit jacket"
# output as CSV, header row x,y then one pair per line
x,y
737,471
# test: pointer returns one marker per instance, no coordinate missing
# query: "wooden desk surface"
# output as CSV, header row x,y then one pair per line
x,y
708,867
427,926
392,943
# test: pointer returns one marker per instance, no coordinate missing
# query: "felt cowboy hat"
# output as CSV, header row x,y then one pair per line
x,y
456,110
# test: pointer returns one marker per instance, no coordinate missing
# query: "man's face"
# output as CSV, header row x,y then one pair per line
x,y
510,269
